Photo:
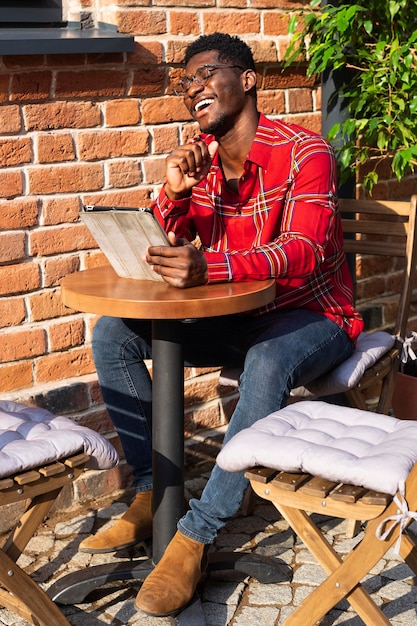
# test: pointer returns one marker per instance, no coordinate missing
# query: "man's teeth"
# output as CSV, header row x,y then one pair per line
x,y
202,104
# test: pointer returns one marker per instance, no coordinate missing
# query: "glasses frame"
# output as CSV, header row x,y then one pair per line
x,y
181,90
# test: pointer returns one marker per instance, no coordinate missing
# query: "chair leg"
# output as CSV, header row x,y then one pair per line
x,y
343,580
408,552
24,530
37,608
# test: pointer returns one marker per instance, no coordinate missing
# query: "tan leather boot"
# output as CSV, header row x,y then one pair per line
x,y
134,526
172,584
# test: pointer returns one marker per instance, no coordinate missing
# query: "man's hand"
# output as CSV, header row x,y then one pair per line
x,y
180,265
186,166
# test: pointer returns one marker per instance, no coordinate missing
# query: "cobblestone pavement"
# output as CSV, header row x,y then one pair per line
x,y
227,598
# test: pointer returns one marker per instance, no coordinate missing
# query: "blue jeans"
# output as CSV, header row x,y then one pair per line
x,y
278,350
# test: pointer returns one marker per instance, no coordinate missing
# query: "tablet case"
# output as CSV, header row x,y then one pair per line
x,y
124,235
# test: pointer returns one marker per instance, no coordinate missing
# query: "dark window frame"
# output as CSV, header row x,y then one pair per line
x,y
38,27
31,12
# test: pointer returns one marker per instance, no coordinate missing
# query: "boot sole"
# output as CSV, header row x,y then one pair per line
x,y
168,614
114,548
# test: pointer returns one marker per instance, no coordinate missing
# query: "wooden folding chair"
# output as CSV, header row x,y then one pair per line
x,y
314,457
374,229
39,454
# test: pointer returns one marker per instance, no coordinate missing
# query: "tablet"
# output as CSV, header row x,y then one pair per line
x,y
124,235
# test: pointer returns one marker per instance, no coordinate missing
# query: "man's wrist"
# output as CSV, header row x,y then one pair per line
x,y
175,196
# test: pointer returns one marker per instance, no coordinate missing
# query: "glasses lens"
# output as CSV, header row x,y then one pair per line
x,y
202,74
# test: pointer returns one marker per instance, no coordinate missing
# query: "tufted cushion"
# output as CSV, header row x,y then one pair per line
x,y
369,348
338,443
31,437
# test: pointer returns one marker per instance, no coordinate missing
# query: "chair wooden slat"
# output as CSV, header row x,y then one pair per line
x,y
319,487
52,470
78,459
347,493
290,481
27,477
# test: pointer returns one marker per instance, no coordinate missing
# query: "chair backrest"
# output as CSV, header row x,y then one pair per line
x,y
384,228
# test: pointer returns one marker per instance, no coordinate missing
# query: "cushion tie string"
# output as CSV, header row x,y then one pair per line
x,y
402,518
407,352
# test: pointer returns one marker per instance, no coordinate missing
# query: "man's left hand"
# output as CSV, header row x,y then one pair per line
x,y
180,265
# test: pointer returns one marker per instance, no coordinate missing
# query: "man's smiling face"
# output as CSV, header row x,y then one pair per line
x,y
215,104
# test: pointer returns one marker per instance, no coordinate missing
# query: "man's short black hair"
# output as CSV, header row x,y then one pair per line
x,y
230,49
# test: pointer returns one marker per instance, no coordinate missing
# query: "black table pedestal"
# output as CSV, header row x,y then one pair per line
x,y
168,491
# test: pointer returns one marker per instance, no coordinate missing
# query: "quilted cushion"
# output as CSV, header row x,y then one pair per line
x,y
338,443
369,348
31,437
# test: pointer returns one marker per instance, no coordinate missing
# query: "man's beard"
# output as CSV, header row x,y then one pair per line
x,y
217,127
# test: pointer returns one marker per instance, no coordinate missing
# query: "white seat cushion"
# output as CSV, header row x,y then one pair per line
x,y
369,348
338,443
31,437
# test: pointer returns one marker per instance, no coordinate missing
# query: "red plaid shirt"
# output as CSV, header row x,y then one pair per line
x,y
283,223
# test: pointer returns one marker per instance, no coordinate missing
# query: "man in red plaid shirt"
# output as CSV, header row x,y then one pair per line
x,y
261,197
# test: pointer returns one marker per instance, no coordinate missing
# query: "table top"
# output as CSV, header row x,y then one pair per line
x,y
100,290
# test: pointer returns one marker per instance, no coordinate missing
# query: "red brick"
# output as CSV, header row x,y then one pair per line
x,y
275,23
55,147
56,268
61,365
300,100
47,305
15,376
142,22
11,184
94,259
10,120
148,82
277,79
122,112
124,173
57,240
12,246
12,311
238,23
91,83
147,53
127,198
64,179
155,170
264,51
34,85
164,110
232,4
310,121
19,278
19,213
58,210
22,344
184,23
165,139
66,335
271,102
112,143
175,50
4,94
63,114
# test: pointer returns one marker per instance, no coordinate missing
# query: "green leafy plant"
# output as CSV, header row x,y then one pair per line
x,y
375,44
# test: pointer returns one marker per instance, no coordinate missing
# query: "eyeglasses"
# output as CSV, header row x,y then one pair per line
x,y
201,76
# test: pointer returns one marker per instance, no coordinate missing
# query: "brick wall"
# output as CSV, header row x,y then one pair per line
x,y
96,129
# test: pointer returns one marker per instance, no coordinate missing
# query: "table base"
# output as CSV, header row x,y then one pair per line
x,y
74,588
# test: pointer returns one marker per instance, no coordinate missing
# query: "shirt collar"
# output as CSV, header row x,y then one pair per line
x,y
261,148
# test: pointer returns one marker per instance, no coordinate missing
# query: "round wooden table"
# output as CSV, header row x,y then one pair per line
x,y
101,291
